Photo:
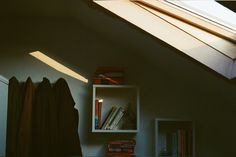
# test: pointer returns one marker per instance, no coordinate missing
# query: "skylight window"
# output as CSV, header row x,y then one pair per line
x,y
205,14
199,29
209,9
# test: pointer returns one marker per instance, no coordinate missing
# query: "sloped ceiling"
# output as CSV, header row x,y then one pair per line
x,y
23,20
20,20
84,12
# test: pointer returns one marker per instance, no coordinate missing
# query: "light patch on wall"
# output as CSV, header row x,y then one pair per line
x,y
58,66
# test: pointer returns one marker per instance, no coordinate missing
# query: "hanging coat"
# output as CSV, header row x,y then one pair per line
x,y
13,115
68,120
45,122
25,122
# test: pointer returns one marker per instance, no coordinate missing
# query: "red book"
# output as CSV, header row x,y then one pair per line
x,y
107,80
120,154
128,141
99,113
131,146
96,114
120,150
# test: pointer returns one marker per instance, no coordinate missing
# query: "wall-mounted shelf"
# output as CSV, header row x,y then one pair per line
x,y
174,138
123,100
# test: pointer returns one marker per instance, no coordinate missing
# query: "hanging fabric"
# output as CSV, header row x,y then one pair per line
x,y
15,90
25,121
45,121
42,121
68,119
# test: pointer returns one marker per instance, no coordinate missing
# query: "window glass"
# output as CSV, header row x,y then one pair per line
x,y
209,9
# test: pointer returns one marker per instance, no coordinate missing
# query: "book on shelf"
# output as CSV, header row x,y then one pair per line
x,y
126,146
181,143
113,119
98,108
100,113
121,148
189,143
108,80
109,75
123,141
114,114
108,117
120,154
96,114
116,74
116,118
119,125
118,149
174,145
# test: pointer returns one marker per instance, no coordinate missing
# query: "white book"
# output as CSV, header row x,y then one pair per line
x,y
105,124
118,117
119,124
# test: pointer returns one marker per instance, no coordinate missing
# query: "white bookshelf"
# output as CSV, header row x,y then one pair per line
x,y
126,96
173,136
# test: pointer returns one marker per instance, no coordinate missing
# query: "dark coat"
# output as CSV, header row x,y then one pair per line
x,y
42,122
68,120
13,115
45,122
25,121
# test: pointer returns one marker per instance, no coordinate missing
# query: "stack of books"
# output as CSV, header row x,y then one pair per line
x,y
121,148
109,75
113,120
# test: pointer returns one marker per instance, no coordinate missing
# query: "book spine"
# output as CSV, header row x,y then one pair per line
x,y
119,125
131,146
107,80
120,154
117,118
174,145
179,143
108,119
99,114
111,118
110,74
184,142
96,114
190,143
124,150
123,141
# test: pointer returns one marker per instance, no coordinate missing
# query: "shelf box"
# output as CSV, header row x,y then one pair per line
x,y
174,137
125,96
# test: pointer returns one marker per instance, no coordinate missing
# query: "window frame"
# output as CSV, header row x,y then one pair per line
x,y
189,16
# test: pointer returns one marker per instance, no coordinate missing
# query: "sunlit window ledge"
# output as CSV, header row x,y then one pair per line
x,y
212,56
58,66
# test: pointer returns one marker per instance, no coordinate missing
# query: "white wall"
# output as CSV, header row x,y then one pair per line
x,y
3,114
